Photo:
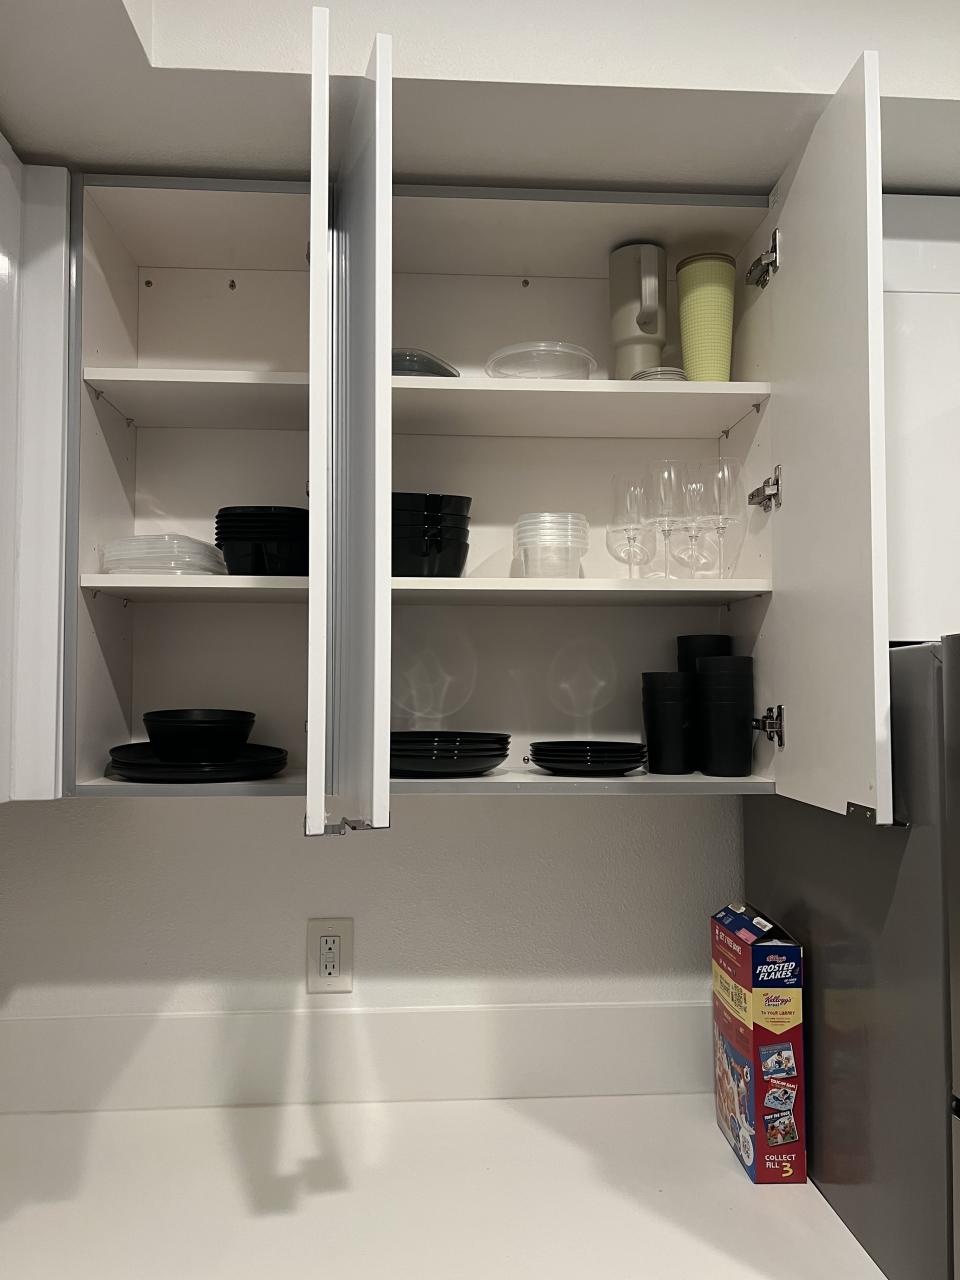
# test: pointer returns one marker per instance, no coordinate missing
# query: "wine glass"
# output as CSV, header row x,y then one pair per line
x,y
696,555
669,483
627,533
726,508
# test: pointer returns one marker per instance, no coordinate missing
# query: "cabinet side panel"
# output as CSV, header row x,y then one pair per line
x,y
10,194
38,609
107,484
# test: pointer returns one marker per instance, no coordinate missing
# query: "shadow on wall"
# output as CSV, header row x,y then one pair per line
x,y
163,911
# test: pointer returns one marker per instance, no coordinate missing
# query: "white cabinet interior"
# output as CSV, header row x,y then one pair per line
x,y
465,287
194,355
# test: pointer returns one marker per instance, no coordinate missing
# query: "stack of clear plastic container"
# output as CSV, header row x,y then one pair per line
x,y
551,544
161,553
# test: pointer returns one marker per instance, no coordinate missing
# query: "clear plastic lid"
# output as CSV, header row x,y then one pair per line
x,y
541,360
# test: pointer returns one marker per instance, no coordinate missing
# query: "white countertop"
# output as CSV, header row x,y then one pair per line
x,y
550,1189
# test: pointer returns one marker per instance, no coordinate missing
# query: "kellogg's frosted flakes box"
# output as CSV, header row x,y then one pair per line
x,y
758,1043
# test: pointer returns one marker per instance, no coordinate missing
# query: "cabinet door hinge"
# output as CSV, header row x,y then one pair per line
x,y
768,264
769,494
771,723
863,812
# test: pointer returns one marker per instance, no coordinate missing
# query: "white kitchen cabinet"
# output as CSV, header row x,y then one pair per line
x,y
480,267
922,328
212,365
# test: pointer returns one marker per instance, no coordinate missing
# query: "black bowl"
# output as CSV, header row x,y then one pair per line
x,y
198,734
407,538
260,535
455,503
270,558
429,520
414,559
293,513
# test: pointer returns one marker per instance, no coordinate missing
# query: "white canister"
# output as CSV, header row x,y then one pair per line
x,y
638,308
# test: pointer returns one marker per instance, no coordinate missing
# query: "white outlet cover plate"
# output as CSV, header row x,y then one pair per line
x,y
339,928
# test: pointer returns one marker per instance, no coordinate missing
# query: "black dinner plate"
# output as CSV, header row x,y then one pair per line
x,y
586,745
598,768
446,753
461,767
138,762
447,736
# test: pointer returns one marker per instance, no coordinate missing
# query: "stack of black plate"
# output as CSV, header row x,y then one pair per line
x,y
575,759
196,744
431,534
445,753
269,541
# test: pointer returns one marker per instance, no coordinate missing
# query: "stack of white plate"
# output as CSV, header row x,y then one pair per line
x,y
662,373
161,553
551,544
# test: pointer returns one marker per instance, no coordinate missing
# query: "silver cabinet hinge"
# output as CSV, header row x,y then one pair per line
x,y
863,812
769,494
771,723
768,264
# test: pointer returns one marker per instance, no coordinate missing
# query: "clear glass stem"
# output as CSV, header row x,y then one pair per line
x,y
666,554
720,532
694,538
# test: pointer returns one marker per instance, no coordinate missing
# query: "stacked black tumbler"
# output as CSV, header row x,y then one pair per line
x,y
701,716
725,714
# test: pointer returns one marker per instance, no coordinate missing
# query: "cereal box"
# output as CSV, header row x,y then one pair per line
x,y
758,1043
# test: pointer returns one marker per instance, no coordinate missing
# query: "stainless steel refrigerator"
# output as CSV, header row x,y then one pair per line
x,y
878,911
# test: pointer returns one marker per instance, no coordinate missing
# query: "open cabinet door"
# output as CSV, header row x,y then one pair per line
x,y
823,646
34,290
320,430
350,554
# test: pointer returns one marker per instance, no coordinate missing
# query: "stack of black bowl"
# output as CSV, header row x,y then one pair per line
x,y
431,534
670,721
725,710
269,541
445,753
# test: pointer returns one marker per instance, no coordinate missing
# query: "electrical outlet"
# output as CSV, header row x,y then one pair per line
x,y
329,956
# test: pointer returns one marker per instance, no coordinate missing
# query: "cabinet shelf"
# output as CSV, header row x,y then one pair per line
x,y
154,588
532,782
292,782
572,407
565,591
241,399
157,587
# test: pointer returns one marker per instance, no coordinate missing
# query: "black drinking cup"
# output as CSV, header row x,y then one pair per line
x,y
726,738
690,648
671,733
729,665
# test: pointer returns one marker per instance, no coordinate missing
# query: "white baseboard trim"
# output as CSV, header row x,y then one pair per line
x,y
352,1055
